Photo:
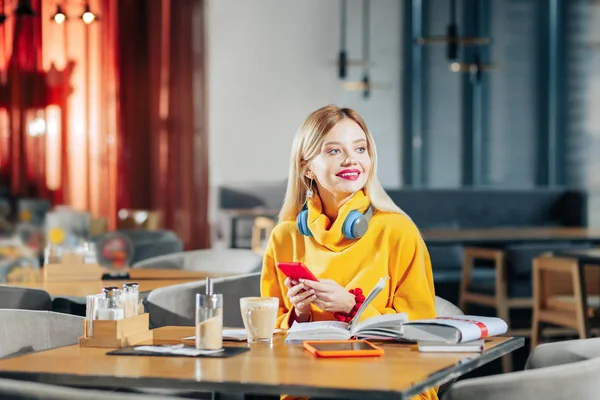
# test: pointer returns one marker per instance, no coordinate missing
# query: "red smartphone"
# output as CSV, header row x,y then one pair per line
x,y
296,270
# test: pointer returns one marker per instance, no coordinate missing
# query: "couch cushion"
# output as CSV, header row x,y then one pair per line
x,y
480,208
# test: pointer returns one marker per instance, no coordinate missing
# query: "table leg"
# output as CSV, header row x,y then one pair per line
x,y
583,301
233,243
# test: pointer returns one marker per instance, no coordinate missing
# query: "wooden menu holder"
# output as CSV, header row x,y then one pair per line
x,y
120,333
72,268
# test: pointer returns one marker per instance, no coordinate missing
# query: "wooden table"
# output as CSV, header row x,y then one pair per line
x,y
148,279
85,288
505,236
266,369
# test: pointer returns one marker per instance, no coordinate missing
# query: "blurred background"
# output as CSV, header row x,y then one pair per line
x,y
170,122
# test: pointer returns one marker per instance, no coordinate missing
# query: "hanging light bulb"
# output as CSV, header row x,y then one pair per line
x,y
59,17
88,16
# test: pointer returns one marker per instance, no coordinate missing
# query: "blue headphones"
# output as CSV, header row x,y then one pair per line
x,y
354,227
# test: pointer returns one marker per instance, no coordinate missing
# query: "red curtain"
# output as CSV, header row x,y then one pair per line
x,y
133,123
163,152
24,96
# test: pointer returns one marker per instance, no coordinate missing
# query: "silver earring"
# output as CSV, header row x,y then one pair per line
x,y
309,192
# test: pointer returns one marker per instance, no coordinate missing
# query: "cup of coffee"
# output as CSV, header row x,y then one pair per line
x,y
259,315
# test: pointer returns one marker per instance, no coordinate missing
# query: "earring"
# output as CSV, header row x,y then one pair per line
x,y
309,191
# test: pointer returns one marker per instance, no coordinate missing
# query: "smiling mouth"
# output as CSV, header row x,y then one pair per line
x,y
350,175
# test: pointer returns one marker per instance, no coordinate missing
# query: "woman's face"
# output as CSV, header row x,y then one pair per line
x,y
343,163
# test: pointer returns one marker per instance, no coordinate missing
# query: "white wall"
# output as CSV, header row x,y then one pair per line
x,y
272,62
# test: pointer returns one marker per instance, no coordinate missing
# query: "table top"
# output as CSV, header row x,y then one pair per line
x,y
400,373
586,256
148,279
85,288
504,236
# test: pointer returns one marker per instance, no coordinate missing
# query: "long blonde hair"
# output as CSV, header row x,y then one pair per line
x,y
307,145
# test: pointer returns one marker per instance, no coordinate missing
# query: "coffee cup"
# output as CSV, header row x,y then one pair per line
x,y
259,315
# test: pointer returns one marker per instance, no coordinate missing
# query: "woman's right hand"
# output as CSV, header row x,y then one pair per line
x,y
300,298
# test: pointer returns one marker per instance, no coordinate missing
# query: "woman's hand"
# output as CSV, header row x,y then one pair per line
x,y
330,295
300,296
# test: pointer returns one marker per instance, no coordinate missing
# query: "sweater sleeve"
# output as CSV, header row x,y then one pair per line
x,y
413,290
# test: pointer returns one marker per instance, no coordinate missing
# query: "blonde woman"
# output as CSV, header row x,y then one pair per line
x,y
337,219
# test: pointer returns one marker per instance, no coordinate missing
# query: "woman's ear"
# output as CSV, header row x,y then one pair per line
x,y
307,172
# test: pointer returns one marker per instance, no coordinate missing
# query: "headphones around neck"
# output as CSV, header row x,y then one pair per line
x,y
354,227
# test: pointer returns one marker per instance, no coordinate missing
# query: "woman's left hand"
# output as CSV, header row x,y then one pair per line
x,y
331,296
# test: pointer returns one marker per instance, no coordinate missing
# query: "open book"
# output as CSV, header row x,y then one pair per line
x,y
388,326
453,329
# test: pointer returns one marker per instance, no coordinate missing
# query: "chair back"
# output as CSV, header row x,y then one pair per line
x,y
175,305
24,298
444,308
26,331
231,261
564,352
24,390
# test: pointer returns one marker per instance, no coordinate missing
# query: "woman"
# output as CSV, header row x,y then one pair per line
x,y
332,179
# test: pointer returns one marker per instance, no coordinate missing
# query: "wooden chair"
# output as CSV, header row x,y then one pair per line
x,y
560,295
261,224
511,287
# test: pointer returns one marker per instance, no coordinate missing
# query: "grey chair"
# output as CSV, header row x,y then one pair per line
x,y
443,308
565,352
573,381
21,390
235,261
12,297
27,331
554,371
175,305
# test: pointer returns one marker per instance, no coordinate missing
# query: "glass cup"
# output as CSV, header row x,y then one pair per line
x,y
209,321
259,315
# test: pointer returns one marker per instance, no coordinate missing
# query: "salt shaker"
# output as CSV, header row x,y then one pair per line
x,y
113,310
132,294
209,319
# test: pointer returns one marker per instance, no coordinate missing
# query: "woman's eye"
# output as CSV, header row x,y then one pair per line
x,y
333,151
361,149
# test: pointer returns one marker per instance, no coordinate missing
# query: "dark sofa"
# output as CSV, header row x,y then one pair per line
x,y
447,209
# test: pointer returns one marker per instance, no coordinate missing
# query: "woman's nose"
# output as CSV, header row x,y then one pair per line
x,y
349,161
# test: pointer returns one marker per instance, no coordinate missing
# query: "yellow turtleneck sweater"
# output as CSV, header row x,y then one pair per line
x,y
392,246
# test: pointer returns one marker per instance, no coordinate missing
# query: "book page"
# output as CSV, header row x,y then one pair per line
x,y
319,325
387,321
376,290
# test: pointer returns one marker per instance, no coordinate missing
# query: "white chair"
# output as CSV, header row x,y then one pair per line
x,y
27,331
24,390
561,370
234,261
175,305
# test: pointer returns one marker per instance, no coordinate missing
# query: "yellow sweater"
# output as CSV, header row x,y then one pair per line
x,y
391,247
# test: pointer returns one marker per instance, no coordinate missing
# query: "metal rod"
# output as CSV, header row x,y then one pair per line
x,y
343,16
366,29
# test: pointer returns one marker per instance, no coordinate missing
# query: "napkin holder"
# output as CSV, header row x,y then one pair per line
x,y
120,333
72,268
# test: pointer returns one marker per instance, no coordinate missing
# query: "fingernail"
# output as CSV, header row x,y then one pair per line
x,y
302,280
312,291
314,297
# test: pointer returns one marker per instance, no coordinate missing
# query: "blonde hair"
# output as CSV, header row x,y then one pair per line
x,y
307,145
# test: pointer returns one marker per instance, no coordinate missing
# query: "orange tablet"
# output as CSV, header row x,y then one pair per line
x,y
342,348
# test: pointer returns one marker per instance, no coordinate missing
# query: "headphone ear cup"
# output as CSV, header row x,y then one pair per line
x,y
348,227
302,222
